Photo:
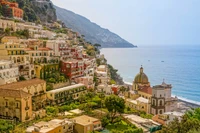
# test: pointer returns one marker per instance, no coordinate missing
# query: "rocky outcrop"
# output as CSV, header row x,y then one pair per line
x,y
38,10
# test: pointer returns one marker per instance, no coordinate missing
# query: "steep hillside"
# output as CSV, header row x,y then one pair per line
x,y
38,10
93,32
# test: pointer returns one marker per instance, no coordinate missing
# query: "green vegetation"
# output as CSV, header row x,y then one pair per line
x,y
123,127
5,126
61,30
190,123
21,78
115,106
142,114
21,34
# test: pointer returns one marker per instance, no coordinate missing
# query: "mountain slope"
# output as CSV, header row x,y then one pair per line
x,y
93,32
37,10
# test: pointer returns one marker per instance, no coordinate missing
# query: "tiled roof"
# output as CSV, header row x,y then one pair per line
x,y
146,89
22,84
13,93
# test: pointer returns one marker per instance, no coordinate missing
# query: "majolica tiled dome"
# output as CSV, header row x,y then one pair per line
x,y
141,77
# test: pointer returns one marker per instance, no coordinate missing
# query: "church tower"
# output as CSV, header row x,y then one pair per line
x,y
158,100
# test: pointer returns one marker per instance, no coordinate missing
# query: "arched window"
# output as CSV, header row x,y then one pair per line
x,y
161,103
160,111
154,102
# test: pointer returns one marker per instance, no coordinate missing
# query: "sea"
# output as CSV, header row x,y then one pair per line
x,y
177,65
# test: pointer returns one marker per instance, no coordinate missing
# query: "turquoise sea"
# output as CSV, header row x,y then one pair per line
x,y
178,65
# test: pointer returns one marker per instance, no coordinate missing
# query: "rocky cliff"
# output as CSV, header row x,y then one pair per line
x,y
38,10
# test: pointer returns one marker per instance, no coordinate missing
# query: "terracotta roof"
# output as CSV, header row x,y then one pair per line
x,y
146,89
14,93
22,84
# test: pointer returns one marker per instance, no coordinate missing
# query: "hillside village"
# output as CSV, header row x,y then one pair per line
x,y
53,81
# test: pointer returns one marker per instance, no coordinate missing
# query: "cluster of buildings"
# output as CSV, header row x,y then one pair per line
x,y
11,10
34,60
152,100
25,100
80,124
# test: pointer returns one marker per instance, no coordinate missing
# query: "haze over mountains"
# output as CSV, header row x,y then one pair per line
x,y
93,32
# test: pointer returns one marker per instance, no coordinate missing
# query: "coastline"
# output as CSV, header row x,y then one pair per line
x,y
188,102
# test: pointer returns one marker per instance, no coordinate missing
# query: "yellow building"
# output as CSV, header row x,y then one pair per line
x,y
66,94
53,126
45,127
139,97
86,124
35,87
15,104
140,104
12,49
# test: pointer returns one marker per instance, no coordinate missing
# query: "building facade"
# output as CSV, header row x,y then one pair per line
x,y
35,87
15,104
72,68
11,9
9,72
66,94
162,101
85,124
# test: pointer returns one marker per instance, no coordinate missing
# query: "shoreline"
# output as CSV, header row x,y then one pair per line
x,y
188,102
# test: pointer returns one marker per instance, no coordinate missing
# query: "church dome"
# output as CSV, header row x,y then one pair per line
x,y
141,77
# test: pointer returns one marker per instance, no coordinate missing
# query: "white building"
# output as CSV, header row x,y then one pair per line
x,y
162,101
9,73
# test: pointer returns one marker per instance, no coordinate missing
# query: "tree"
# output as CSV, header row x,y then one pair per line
x,y
115,105
51,110
189,123
5,126
97,45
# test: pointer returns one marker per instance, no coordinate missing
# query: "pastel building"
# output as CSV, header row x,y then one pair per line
x,y
11,9
35,87
60,48
141,104
85,124
72,68
162,101
15,105
86,80
53,126
66,94
9,72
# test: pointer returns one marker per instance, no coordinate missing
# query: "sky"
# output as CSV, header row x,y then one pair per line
x,y
143,22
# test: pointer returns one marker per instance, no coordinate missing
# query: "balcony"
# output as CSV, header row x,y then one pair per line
x,y
27,108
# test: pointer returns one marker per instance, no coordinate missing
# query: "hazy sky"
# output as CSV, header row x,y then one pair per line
x,y
143,21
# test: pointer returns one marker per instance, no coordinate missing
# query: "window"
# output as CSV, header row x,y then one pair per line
x,y
160,95
160,103
26,103
160,111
